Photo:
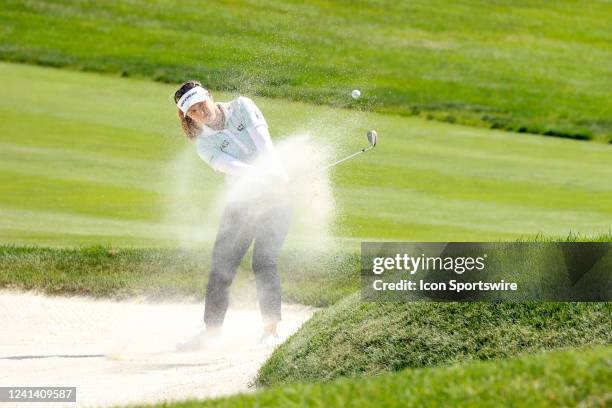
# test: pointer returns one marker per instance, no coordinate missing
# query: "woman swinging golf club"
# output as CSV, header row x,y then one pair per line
x,y
233,138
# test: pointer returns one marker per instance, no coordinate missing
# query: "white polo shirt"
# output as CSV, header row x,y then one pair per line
x,y
244,139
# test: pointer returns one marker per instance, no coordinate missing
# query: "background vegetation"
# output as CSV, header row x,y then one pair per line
x,y
519,66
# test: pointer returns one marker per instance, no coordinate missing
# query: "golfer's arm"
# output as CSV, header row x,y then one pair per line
x,y
261,138
225,163
257,127
266,147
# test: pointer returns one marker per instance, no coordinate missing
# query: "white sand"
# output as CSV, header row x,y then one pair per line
x,y
123,352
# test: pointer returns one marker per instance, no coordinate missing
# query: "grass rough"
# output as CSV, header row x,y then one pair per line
x,y
162,274
353,338
562,378
318,278
523,67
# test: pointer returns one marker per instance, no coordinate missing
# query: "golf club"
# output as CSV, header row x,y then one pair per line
x,y
372,138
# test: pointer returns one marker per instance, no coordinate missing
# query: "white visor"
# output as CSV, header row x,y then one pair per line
x,y
191,97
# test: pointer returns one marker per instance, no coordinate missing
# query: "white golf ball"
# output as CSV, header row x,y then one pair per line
x,y
356,93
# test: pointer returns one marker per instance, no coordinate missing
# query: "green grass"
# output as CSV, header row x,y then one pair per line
x,y
354,338
88,159
313,277
522,66
566,378
317,279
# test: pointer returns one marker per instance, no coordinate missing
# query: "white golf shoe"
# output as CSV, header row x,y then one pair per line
x,y
269,340
199,341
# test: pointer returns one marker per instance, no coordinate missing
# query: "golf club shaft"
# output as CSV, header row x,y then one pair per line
x,y
347,158
342,160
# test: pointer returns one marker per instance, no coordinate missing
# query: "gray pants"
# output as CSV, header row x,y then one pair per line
x,y
266,223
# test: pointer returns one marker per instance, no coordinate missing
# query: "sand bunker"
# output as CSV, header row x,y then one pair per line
x,y
123,352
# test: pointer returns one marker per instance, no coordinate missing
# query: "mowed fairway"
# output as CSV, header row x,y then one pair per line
x,y
90,159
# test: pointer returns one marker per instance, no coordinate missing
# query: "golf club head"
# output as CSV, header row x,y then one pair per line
x,y
372,136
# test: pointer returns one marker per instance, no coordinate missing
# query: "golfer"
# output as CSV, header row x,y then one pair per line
x,y
233,138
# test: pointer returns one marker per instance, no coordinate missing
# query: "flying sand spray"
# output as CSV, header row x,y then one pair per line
x,y
306,159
